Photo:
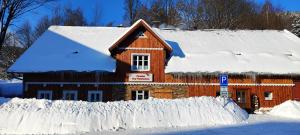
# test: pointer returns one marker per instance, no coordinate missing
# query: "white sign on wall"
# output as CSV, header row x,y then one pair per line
x,y
140,77
224,91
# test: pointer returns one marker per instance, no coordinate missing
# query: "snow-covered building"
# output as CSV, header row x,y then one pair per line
x,y
138,62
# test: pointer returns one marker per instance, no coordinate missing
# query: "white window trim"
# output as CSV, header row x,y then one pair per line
x,y
70,91
90,92
149,61
270,97
142,94
44,92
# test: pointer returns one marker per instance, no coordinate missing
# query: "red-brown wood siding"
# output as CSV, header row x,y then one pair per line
x,y
296,91
280,93
157,57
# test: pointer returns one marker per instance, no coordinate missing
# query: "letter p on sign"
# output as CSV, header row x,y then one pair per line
x,y
223,80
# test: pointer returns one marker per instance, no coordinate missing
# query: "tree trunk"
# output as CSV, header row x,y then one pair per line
x,y
2,37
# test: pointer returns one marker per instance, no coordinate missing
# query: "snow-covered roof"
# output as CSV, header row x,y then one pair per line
x,y
240,51
259,51
70,48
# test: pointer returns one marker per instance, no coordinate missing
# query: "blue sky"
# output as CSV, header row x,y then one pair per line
x,y
289,5
113,10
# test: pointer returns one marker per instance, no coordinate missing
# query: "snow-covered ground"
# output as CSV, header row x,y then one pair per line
x,y
257,124
11,88
32,116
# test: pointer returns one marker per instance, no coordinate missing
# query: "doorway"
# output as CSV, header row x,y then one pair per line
x,y
241,97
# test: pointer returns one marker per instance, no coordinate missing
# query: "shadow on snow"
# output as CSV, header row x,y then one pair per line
x,y
263,128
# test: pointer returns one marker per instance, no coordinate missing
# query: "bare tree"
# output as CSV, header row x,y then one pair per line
x,y
12,9
97,12
164,12
65,16
191,13
131,8
295,26
271,17
43,24
10,52
144,13
25,35
57,17
224,13
74,17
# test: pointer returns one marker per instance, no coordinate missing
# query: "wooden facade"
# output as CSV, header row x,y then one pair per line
x,y
130,46
116,86
282,87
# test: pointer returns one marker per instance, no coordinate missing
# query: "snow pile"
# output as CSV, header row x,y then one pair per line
x,y
289,109
32,116
11,88
233,108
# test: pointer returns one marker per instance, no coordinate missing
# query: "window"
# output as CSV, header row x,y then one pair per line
x,y
140,62
241,96
94,96
44,94
268,95
141,34
70,95
139,95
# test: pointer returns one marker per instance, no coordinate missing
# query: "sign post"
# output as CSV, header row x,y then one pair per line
x,y
224,86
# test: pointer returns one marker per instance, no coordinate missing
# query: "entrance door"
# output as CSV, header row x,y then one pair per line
x,y
241,98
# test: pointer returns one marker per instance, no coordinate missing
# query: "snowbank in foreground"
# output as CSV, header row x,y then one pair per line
x,y
289,109
32,116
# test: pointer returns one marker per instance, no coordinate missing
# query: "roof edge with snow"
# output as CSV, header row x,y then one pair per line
x,y
138,23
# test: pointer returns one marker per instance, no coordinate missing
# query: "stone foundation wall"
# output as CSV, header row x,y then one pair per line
x,y
123,92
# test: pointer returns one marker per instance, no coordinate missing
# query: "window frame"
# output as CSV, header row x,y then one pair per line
x,y
141,34
241,97
268,98
100,92
140,54
75,92
39,92
141,94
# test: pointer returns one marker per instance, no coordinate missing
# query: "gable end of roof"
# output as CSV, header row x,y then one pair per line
x,y
136,25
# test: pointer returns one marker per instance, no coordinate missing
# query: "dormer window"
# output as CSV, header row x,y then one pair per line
x,y
141,34
140,62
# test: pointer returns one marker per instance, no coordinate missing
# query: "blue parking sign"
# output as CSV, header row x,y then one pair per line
x,y
223,80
